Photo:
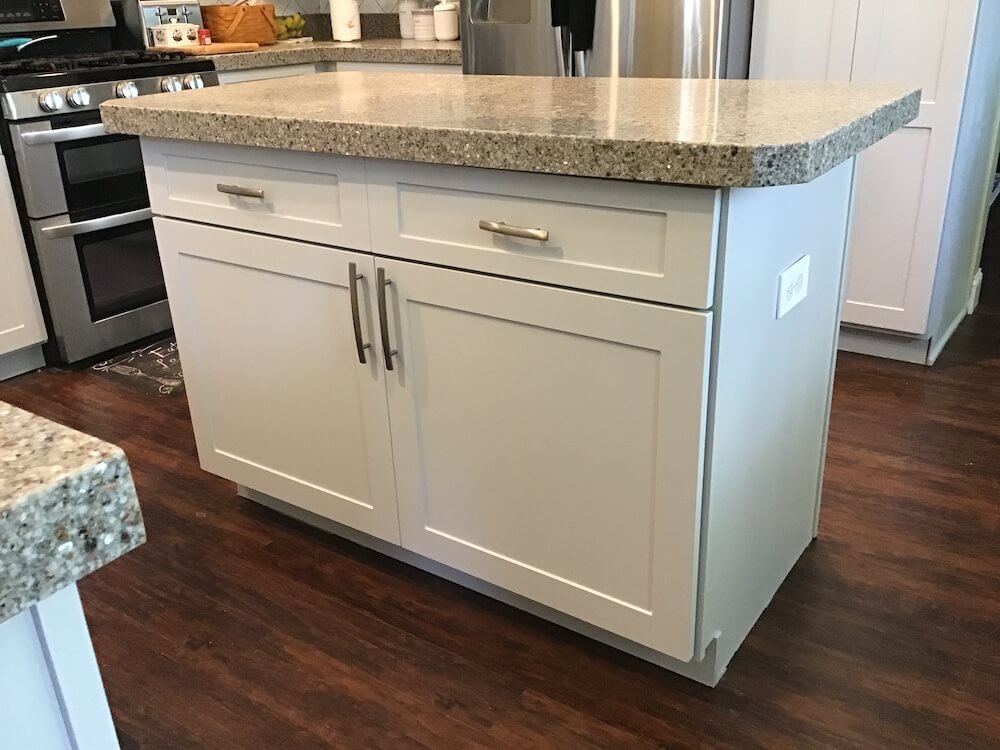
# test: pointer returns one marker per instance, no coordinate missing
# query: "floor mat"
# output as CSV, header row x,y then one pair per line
x,y
154,369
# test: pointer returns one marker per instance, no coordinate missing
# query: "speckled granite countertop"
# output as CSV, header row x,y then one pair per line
x,y
365,50
717,133
67,508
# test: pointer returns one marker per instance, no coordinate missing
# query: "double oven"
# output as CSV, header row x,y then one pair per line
x,y
91,226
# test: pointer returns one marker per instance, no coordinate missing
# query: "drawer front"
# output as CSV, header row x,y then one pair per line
x,y
649,242
312,197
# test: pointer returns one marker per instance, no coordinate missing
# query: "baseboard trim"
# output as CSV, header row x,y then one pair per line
x,y
21,361
885,345
707,671
938,343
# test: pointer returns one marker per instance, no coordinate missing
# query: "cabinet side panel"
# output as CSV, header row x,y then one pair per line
x,y
770,396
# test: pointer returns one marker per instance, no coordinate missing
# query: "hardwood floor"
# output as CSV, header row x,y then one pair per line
x,y
236,628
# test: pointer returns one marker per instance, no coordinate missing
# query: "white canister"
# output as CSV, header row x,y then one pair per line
x,y
446,21
423,25
345,16
406,8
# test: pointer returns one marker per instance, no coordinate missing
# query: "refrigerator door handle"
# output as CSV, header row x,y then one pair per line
x,y
557,32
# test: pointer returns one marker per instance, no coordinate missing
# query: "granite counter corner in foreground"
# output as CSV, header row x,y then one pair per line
x,y
67,508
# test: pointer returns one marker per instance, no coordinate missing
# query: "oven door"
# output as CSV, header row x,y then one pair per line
x,y
103,281
69,165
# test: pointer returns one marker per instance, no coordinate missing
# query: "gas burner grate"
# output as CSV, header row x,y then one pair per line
x,y
67,63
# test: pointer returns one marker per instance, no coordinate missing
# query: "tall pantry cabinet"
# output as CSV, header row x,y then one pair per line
x,y
903,183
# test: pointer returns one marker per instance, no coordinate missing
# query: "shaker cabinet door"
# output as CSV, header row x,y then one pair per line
x,y
21,323
279,397
902,182
550,442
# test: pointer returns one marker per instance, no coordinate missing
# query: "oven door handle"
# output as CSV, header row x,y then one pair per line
x,y
95,225
62,135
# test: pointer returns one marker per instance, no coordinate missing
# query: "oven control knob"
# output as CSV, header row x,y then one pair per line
x,y
127,90
78,97
50,101
194,82
171,83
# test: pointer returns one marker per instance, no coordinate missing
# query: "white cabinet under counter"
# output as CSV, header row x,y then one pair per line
x,y
580,396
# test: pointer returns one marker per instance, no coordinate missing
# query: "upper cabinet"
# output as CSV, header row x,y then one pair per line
x,y
21,323
902,183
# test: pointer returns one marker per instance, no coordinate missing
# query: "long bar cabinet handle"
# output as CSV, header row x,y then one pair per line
x,y
499,227
353,278
381,282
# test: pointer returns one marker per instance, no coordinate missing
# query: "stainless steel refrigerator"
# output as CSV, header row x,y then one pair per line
x,y
644,38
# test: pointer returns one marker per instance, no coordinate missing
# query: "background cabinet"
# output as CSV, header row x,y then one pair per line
x,y
279,399
551,442
903,183
21,323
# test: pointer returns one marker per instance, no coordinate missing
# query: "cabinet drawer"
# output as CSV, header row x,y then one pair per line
x,y
313,197
650,242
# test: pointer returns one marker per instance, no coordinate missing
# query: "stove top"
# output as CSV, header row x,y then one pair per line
x,y
33,73
85,61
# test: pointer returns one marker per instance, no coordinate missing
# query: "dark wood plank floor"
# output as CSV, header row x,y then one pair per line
x,y
236,628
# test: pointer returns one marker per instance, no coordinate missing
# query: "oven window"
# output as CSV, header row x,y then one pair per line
x,y
103,174
121,269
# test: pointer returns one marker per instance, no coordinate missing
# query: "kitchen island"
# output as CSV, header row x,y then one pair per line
x,y
67,508
569,342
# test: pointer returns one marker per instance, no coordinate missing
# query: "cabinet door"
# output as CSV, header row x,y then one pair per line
x,y
279,398
803,41
21,322
551,442
903,181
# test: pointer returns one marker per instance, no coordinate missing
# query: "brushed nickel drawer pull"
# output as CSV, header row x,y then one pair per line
x,y
381,282
242,192
499,227
353,278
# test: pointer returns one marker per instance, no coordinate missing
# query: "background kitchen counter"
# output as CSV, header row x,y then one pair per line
x,y
67,508
365,50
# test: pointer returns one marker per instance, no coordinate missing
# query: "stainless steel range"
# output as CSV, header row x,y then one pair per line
x,y
82,192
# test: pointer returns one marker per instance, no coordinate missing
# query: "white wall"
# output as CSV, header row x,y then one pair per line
x,y
972,177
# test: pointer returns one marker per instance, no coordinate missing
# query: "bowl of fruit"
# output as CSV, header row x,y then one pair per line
x,y
290,27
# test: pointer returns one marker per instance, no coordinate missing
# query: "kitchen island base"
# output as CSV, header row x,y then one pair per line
x,y
610,416
51,692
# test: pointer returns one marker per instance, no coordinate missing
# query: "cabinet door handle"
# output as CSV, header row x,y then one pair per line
x,y
354,277
242,192
499,227
381,282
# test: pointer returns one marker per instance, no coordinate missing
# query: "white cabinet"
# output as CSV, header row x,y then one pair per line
x,y
793,40
21,323
279,398
549,441
595,431
903,181
227,77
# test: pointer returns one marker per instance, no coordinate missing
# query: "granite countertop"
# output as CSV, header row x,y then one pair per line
x,y
716,133
365,50
67,508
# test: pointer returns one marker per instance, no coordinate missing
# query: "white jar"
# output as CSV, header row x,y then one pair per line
x,y
423,25
446,21
406,8
345,17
